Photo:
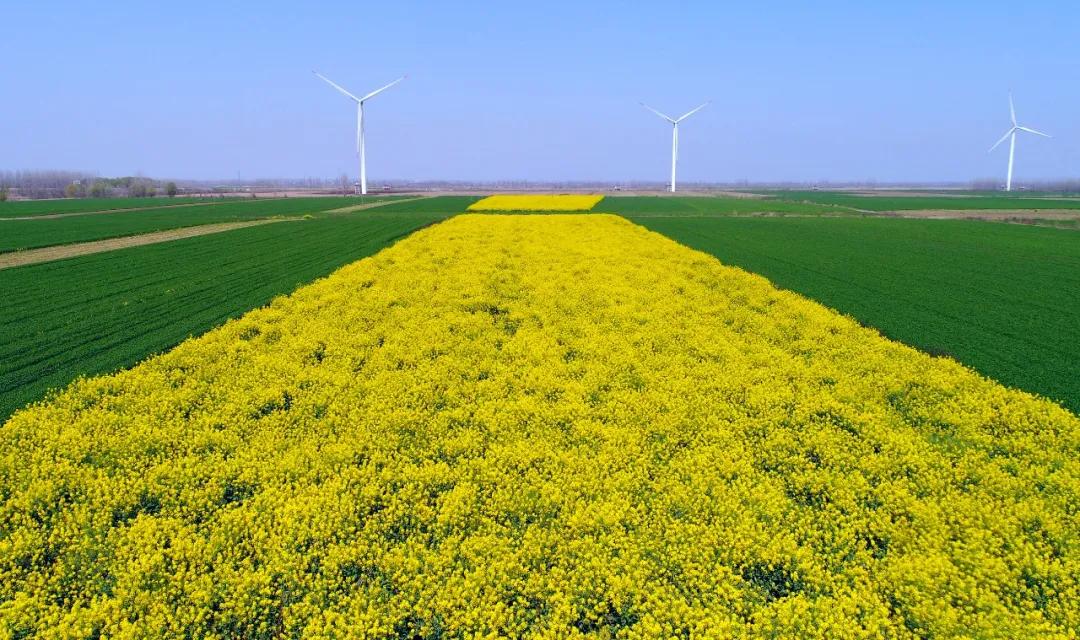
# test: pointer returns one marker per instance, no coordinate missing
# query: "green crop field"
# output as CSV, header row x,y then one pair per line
x,y
1003,299
439,204
917,203
996,297
101,312
17,208
27,234
710,206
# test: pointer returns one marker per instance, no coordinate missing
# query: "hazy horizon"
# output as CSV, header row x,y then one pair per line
x,y
837,92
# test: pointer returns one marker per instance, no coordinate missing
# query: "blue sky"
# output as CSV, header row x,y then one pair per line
x,y
543,91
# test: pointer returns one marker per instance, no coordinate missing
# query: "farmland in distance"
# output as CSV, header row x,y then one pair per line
x,y
28,234
684,206
899,202
19,208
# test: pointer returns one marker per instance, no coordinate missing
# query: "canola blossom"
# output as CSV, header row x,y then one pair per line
x,y
540,202
540,427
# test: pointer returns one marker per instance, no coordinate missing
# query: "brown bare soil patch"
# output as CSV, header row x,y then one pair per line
x,y
990,214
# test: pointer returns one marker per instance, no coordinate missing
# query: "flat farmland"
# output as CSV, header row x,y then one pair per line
x,y
28,234
712,206
97,313
542,426
645,440
18,208
1003,299
440,205
1000,202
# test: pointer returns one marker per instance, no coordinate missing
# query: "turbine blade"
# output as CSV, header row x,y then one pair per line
x,y
1003,139
1038,133
658,113
335,85
691,112
378,91
1012,111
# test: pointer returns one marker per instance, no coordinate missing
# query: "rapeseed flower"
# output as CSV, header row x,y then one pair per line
x,y
539,202
540,427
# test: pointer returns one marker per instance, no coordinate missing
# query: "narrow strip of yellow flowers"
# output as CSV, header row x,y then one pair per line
x,y
536,203
543,427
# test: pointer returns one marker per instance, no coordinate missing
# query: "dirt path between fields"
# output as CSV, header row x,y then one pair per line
x,y
371,205
61,252
990,214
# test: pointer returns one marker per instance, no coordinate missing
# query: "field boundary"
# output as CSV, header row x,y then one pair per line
x,y
70,214
986,214
64,251
372,205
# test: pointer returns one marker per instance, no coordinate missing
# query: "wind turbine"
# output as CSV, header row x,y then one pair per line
x,y
1011,135
360,122
675,135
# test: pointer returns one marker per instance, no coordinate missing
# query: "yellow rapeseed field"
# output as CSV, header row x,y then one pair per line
x,y
540,427
540,202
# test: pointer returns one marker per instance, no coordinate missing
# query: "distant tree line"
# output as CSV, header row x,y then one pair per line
x,y
39,184
1042,186
35,184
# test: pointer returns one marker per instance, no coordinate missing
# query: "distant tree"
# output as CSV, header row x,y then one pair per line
x,y
99,189
170,189
139,188
71,191
3,194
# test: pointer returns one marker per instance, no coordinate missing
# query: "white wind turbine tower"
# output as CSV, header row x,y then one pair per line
x,y
675,135
1011,135
360,122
